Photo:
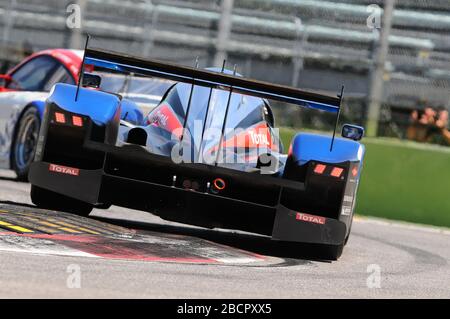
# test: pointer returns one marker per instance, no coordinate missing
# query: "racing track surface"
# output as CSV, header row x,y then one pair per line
x,y
127,254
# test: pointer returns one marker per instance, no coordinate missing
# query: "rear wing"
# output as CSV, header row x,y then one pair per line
x,y
126,63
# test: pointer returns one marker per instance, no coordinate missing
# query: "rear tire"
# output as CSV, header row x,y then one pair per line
x,y
44,198
103,206
24,143
349,231
333,252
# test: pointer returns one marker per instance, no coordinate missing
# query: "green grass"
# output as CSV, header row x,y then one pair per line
x,y
402,180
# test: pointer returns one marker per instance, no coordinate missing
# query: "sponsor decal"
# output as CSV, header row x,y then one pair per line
x,y
259,138
159,119
348,199
64,170
165,118
346,210
310,218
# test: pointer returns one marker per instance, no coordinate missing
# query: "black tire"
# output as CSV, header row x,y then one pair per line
x,y
44,198
103,206
349,231
333,252
24,143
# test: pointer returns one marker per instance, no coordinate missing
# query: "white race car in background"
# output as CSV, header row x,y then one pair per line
x,y
23,91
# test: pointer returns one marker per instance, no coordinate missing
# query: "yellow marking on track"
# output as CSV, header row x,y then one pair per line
x,y
100,226
14,227
73,226
70,230
3,211
61,223
66,228
52,225
47,224
88,231
21,229
57,225
75,229
43,222
35,223
93,225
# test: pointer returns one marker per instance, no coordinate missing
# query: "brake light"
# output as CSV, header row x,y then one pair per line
x,y
336,172
319,168
77,121
328,170
60,118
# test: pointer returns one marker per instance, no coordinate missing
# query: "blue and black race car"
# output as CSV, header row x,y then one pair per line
x,y
207,155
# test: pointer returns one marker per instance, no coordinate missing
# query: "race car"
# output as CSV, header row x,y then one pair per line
x,y
24,89
207,155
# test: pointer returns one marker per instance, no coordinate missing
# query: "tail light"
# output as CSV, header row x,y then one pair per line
x,y
67,119
60,118
319,169
328,170
65,137
336,172
77,121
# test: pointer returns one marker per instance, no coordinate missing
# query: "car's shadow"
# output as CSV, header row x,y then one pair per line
x,y
11,179
257,244
294,253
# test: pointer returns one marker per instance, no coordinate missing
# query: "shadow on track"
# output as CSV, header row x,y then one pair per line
x,y
294,253
11,179
8,202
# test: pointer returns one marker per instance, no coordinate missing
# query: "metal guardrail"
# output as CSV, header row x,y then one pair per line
x,y
266,35
284,28
290,29
244,22
406,18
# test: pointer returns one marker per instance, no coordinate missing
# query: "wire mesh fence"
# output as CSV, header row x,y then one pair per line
x,y
317,45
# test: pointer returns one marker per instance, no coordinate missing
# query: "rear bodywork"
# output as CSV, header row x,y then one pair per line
x,y
161,166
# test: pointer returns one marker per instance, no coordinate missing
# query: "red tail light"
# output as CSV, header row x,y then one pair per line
x,y
60,118
328,170
336,172
77,121
319,168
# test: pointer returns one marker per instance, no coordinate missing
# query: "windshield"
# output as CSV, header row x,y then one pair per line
x,y
206,115
144,91
39,74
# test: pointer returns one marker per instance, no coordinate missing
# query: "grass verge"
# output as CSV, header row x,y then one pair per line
x,y
402,180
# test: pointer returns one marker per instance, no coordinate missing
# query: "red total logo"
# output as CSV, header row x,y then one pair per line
x,y
64,170
310,218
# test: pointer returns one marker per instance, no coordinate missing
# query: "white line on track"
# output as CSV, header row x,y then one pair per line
x,y
38,246
402,225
